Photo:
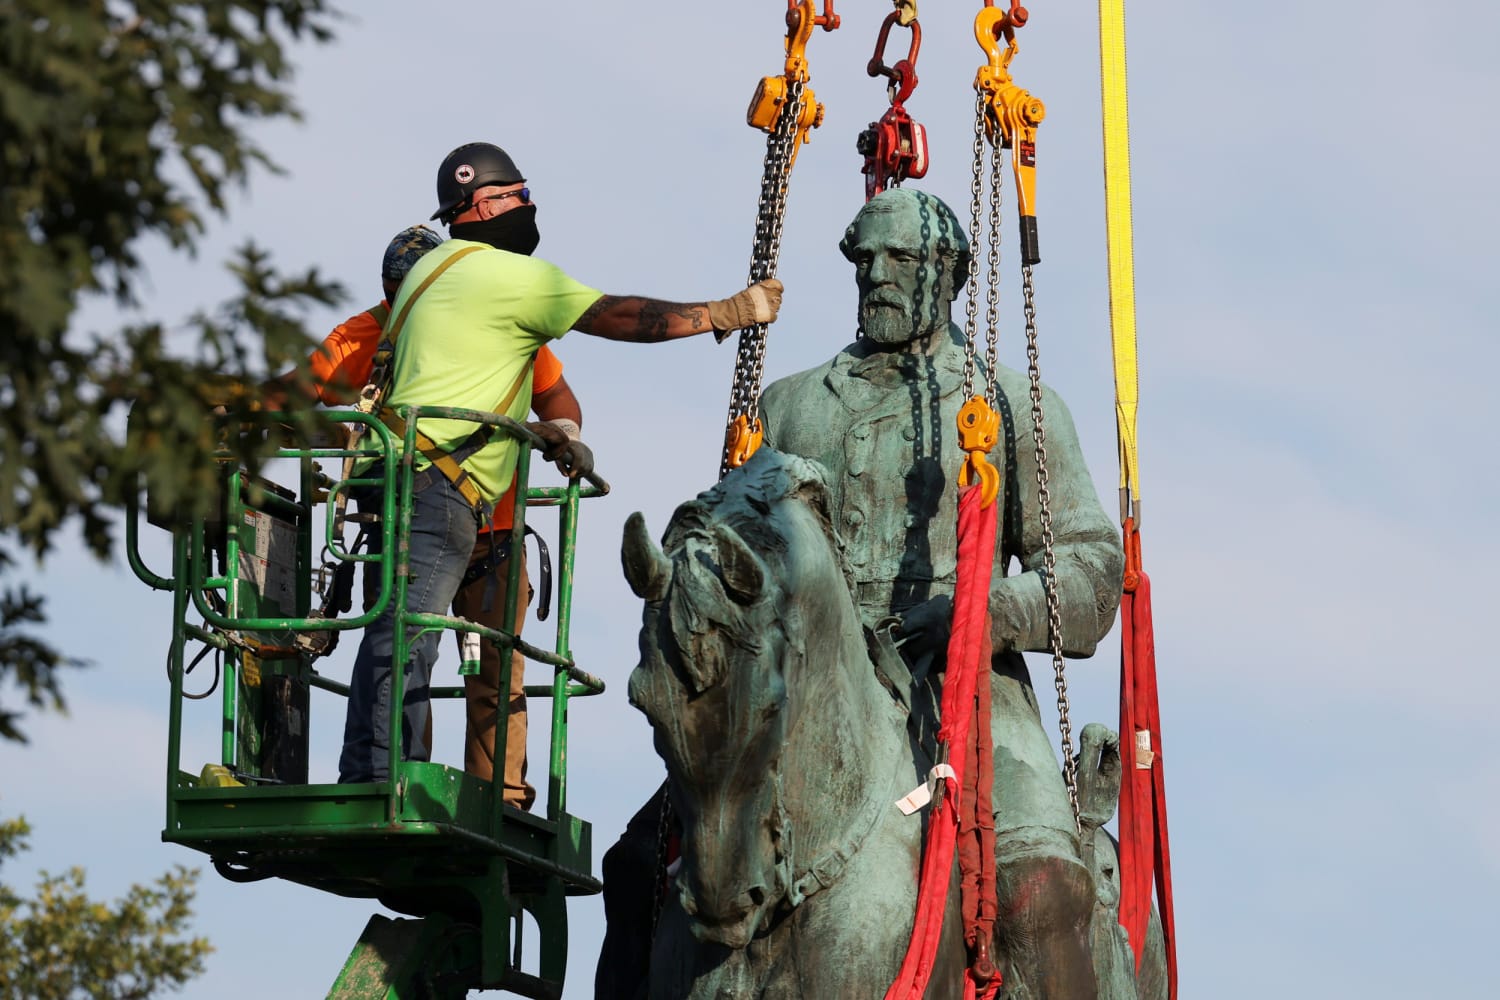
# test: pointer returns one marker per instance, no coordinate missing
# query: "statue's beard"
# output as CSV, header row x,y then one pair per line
x,y
890,324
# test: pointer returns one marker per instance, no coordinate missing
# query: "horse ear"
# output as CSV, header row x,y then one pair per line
x,y
743,573
647,569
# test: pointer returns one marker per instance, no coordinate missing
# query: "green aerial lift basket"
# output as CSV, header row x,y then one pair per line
x,y
432,842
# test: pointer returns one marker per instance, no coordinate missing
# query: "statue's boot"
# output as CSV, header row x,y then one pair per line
x,y
1045,904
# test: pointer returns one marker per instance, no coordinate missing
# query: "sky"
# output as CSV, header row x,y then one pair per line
x,y
1313,217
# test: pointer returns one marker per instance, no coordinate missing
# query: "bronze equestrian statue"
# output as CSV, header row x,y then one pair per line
x,y
879,419
786,751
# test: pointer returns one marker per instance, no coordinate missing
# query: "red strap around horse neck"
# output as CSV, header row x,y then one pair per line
x,y
967,664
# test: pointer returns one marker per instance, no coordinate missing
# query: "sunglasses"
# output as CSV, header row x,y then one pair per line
x,y
524,194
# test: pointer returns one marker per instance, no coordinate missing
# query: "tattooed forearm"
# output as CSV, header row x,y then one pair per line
x,y
651,322
643,320
656,319
592,313
695,313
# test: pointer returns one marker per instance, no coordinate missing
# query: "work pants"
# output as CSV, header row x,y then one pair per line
x,y
482,690
442,537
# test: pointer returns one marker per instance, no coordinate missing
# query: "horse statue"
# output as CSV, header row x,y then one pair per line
x,y
787,747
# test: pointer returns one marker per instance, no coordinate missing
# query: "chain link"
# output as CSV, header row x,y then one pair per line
x,y
663,830
991,394
992,294
770,218
1049,557
976,199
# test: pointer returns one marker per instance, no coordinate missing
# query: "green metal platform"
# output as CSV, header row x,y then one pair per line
x,y
434,843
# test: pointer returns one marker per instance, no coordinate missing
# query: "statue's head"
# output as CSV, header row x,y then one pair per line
x,y
911,258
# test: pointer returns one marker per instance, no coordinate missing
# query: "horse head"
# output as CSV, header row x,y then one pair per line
x,y
752,670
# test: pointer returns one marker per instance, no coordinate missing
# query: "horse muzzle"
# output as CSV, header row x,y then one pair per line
x,y
732,922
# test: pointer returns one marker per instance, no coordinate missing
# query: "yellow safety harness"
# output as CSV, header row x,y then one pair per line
x,y
449,463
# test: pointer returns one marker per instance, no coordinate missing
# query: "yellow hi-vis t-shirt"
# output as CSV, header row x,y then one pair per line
x,y
468,338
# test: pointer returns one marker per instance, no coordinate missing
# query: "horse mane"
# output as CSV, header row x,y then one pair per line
x,y
731,532
743,500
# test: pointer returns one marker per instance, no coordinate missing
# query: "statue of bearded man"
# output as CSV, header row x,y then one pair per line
x,y
880,416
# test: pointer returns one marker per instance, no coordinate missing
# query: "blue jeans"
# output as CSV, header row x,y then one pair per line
x,y
443,527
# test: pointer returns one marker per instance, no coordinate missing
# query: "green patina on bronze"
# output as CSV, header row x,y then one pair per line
x,y
773,704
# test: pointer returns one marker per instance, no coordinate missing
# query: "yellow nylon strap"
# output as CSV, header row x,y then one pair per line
x,y
394,331
440,459
1121,248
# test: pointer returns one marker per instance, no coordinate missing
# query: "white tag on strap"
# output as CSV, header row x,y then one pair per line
x,y
1144,755
918,797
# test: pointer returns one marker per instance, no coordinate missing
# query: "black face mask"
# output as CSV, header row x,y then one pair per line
x,y
514,230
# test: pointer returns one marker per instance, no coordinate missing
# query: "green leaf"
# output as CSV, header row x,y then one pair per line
x,y
120,121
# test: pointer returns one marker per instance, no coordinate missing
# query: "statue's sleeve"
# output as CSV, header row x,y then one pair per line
x,y
783,407
772,407
1086,543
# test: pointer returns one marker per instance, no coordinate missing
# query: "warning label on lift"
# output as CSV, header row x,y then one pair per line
x,y
268,567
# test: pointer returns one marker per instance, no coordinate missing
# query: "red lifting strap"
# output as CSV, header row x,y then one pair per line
x,y
1144,849
976,837
967,663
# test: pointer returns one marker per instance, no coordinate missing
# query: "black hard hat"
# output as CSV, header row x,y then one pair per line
x,y
469,168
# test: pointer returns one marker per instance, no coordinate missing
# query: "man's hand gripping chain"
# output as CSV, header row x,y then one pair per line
x,y
755,305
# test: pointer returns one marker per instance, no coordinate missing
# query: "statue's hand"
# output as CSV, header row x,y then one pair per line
x,y
924,627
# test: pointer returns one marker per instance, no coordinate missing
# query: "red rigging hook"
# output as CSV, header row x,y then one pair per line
x,y
894,148
903,75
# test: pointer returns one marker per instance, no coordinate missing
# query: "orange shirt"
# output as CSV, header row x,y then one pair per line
x,y
546,370
342,364
342,367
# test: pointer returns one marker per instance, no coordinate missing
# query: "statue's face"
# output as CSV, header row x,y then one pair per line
x,y
905,288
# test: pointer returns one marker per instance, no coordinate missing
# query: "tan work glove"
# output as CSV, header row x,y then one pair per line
x,y
757,304
572,456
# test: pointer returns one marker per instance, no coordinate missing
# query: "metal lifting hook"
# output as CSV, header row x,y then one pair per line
x,y
894,148
773,92
993,23
785,108
801,18
1012,114
827,20
903,75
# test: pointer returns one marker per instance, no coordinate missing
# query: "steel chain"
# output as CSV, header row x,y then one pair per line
x,y
992,294
1049,557
663,828
770,218
976,200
